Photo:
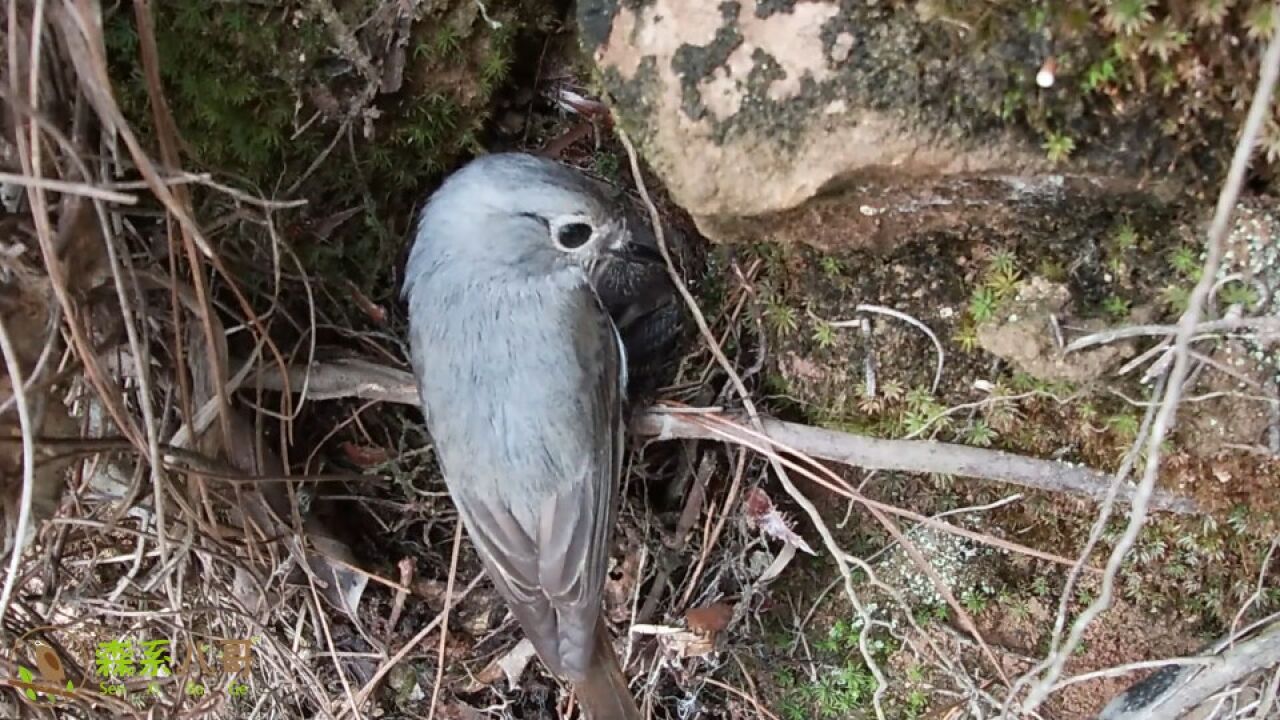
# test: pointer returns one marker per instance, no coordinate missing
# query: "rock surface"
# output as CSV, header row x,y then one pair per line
x,y
838,123
1024,335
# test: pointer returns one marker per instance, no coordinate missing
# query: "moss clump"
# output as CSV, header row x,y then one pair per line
x,y
262,92
1119,69
229,72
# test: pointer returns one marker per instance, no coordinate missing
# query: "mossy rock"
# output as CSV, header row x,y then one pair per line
x,y
869,121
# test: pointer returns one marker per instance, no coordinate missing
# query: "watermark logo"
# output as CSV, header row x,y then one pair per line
x,y
117,665
48,680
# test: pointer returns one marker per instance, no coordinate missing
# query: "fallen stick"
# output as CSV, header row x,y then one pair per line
x,y
1176,690
371,381
918,456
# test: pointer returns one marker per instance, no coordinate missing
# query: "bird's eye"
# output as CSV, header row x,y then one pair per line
x,y
573,235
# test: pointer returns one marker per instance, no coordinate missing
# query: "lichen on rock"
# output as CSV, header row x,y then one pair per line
x,y
749,110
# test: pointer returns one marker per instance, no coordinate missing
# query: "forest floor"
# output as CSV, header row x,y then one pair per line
x,y
737,607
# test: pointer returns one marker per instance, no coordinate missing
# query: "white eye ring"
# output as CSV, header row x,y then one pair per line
x,y
572,233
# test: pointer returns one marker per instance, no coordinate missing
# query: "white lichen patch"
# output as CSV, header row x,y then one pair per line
x,y
956,560
1252,261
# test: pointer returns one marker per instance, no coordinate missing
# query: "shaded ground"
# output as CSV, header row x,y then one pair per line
x,y
790,643
1189,575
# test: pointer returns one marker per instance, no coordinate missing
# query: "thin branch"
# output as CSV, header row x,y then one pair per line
x,y
367,380
444,622
1173,692
1266,325
13,365
68,188
917,456
890,312
1166,416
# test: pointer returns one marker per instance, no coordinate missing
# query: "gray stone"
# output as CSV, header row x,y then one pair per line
x,y
832,122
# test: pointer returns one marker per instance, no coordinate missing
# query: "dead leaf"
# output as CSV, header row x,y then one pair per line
x,y
772,522
515,661
709,621
334,564
675,641
620,586
364,455
376,313
511,666
801,368
779,563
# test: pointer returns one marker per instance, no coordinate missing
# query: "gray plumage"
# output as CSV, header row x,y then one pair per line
x,y
522,375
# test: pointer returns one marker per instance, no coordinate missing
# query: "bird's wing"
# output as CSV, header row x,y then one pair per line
x,y
549,561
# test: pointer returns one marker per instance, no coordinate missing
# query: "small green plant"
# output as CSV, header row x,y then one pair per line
x,y
1100,74
1002,262
1040,586
1127,17
922,412
1260,23
831,267
1087,412
1019,609
1164,39
967,337
1011,103
1052,270
445,41
1025,382
1116,306
606,165
1125,426
1004,283
1058,147
793,708
824,334
840,637
839,690
1238,520
1175,297
979,433
973,601
1124,237
1238,293
781,317
917,703
1185,261
982,305
1210,12
915,422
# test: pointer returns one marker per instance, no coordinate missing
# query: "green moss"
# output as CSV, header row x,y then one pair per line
x,y
260,93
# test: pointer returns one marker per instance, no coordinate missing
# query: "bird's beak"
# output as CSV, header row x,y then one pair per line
x,y
637,245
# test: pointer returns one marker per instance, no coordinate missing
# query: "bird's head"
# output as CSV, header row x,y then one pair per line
x,y
522,214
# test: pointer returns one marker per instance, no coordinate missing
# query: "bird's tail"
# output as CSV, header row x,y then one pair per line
x,y
603,693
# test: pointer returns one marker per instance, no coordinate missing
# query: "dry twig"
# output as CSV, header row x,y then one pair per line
x,y
1166,414
367,380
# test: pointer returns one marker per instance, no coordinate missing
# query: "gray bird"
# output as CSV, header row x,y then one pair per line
x,y
522,376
